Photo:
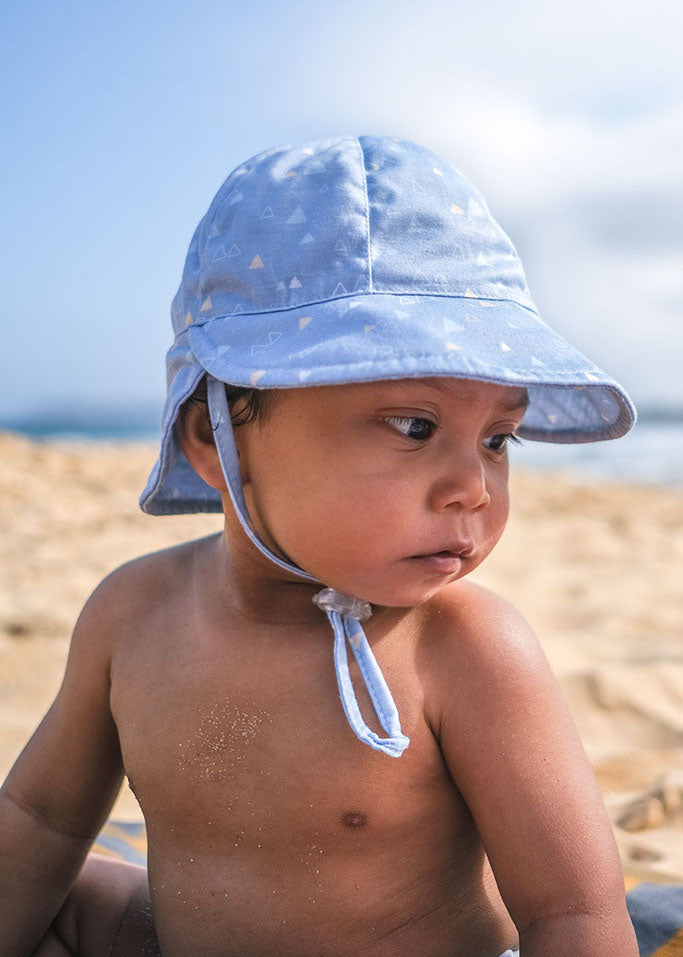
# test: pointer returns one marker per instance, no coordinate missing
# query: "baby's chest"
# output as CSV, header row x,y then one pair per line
x,y
266,752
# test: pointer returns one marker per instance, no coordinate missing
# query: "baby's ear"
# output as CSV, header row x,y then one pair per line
x,y
195,436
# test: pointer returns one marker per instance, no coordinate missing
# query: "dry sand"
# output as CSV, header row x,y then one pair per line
x,y
597,571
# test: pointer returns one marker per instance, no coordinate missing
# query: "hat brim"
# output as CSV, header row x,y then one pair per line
x,y
388,336
368,337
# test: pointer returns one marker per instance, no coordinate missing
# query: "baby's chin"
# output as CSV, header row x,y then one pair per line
x,y
407,597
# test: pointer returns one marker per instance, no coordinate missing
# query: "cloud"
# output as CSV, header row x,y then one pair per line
x,y
597,214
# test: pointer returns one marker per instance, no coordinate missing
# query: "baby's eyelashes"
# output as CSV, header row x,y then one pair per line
x,y
499,441
420,429
412,426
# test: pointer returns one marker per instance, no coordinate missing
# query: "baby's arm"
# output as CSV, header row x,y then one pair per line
x,y
61,788
514,753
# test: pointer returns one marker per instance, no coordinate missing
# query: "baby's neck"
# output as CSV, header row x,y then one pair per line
x,y
247,586
254,589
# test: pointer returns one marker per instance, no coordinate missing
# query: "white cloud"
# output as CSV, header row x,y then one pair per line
x,y
595,208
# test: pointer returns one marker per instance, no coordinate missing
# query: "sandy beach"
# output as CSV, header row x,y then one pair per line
x,y
596,570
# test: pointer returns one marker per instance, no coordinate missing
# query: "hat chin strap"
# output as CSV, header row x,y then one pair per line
x,y
344,612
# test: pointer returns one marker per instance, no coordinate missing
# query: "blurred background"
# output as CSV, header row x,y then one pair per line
x,y
121,120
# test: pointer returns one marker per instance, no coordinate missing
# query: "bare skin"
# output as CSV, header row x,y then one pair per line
x,y
107,912
205,673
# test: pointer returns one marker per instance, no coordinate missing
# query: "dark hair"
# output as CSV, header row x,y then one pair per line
x,y
255,404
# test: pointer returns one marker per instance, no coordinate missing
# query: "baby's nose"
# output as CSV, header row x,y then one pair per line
x,y
464,483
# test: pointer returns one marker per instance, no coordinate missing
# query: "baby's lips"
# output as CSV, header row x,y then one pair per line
x,y
459,549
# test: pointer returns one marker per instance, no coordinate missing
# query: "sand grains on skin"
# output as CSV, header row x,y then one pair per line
x,y
218,744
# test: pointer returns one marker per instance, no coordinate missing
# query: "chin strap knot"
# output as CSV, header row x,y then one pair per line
x,y
345,605
345,614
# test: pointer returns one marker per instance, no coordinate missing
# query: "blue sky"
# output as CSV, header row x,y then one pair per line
x,y
122,119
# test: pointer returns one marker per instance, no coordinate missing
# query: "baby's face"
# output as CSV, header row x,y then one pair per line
x,y
383,490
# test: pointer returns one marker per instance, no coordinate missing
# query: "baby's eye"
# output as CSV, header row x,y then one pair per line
x,y
497,443
413,427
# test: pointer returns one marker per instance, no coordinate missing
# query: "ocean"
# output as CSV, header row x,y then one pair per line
x,y
652,452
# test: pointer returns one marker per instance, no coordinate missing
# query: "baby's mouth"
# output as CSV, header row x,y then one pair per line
x,y
446,560
461,550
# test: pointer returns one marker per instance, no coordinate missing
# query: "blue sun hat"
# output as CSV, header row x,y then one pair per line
x,y
355,259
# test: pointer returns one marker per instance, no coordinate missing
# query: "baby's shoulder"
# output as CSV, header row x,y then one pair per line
x,y
471,633
466,612
131,591
478,652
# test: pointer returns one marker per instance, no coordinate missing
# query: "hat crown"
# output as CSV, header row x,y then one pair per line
x,y
339,217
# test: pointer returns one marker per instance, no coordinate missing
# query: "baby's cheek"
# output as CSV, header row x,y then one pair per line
x,y
499,511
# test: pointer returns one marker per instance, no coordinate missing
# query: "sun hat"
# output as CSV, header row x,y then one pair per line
x,y
354,259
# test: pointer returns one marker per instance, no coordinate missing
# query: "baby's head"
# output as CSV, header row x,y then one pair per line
x,y
364,285
354,260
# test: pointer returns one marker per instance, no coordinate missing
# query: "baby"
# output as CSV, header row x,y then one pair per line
x,y
355,349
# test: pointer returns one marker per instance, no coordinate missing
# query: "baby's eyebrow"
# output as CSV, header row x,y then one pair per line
x,y
520,401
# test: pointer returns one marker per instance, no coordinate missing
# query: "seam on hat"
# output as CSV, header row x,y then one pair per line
x,y
367,211
528,377
357,295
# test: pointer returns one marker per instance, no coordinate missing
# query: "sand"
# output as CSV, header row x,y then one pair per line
x,y
596,570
